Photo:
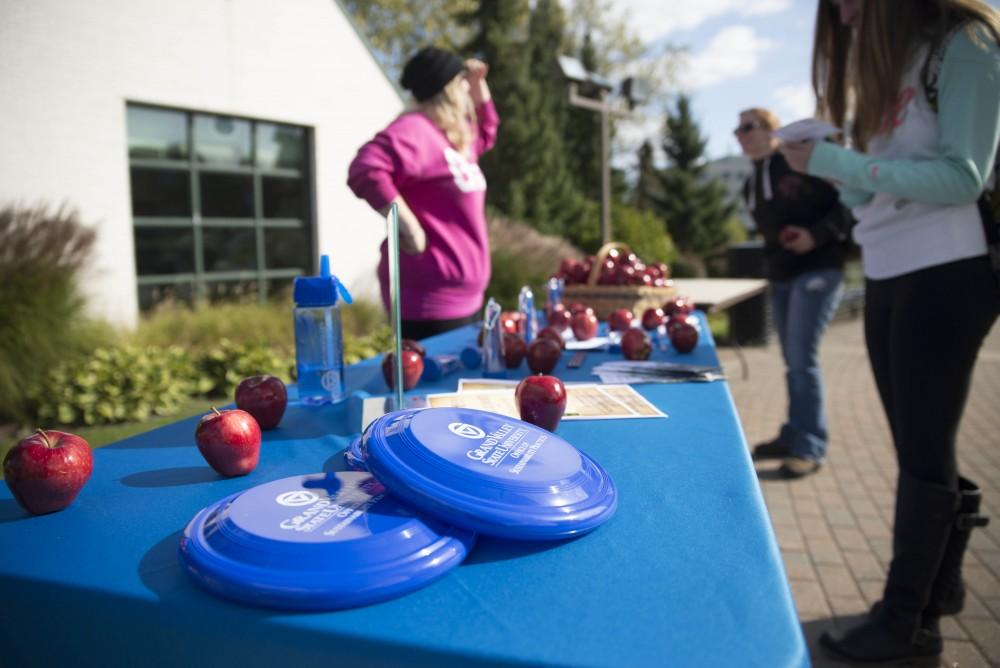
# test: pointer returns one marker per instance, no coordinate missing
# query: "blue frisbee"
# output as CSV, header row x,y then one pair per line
x,y
317,542
489,473
353,458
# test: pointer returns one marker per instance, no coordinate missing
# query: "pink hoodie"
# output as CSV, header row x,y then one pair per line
x,y
447,192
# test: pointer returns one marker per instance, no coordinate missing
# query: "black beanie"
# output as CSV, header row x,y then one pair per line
x,y
430,70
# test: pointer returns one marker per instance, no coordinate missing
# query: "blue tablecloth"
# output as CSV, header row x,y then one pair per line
x,y
687,573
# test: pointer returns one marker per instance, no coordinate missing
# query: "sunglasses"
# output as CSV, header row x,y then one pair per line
x,y
746,127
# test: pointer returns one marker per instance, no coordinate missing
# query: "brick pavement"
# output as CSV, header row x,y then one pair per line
x,y
835,528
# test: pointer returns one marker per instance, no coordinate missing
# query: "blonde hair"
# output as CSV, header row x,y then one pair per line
x,y
767,118
451,110
890,34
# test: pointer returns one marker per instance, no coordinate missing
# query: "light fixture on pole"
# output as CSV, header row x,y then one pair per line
x,y
589,90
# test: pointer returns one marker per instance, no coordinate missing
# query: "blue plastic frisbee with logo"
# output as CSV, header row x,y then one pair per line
x,y
489,473
318,542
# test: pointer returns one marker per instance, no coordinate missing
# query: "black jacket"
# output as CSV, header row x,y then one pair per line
x,y
791,198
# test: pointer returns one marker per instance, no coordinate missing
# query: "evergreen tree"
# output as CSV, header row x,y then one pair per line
x,y
696,209
647,194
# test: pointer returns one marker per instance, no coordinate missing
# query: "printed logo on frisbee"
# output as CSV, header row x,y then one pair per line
x,y
466,430
297,498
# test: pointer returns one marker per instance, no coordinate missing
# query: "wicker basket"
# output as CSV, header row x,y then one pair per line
x,y
605,299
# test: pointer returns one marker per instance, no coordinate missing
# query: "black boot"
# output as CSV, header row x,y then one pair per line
x,y
924,516
948,592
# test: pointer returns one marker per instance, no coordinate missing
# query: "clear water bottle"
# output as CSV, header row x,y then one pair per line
x,y
526,306
494,363
319,341
555,288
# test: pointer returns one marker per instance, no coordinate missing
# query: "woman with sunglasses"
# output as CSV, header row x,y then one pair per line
x,y
804,226
921,158
427,162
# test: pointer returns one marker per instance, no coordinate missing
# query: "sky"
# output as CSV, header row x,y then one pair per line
x,y
742,53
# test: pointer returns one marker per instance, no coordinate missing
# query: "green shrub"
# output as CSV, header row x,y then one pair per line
x,y
202,327
226,363
357,348
521,256
41,323
644,232
116,384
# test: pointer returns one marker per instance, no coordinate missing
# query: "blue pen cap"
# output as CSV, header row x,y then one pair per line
x,y
322,290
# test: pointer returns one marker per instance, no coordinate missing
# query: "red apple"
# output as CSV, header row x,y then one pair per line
x,y
510,321
263,397
788,235
541,400
684,337
45,471
620,320
413,368
584,325
514,350
551,333
577,307
652,318
679,304
415,346
229,441
559,319
636,345
543,355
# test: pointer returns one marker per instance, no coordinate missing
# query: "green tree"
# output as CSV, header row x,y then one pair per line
x,y
396,29
696,209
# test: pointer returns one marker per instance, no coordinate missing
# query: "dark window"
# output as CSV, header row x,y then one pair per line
x,y
207,191
161,192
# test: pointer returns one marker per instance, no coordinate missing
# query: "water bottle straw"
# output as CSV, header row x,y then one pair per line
x,y
392,243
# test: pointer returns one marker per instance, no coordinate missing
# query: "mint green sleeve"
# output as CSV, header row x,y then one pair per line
x,y
969,120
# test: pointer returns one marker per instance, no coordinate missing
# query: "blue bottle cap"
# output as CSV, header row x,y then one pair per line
x,y
322,290
472,358
489,473
353,457
317,542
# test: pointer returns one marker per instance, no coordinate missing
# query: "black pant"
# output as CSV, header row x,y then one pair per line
x,y
421,329
923,331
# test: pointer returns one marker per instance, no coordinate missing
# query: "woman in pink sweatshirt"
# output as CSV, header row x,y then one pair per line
x,y
426,161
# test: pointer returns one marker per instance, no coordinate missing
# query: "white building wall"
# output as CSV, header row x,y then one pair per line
x,y
67,68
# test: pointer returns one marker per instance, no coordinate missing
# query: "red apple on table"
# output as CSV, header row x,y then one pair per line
x,y
510,321
543,355
559,318
551,333
229,441
636,344
541,400
620,320
415,346
680,304
684,337
263,397
413,368
45,471
514,350
584,325
578,307
652,318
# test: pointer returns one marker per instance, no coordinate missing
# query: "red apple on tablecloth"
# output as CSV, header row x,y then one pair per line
x,y
684,337
514,350
510,321
413,368
620,320
652,318
584,325
263,397
636,344
229,441
679,304
46,471
551,333
415,346
543,355
559,319
541,400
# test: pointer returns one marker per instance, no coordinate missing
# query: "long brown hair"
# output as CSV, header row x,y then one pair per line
x,y
452,111
862,70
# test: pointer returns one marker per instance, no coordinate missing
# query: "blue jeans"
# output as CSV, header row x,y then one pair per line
x,y
803,307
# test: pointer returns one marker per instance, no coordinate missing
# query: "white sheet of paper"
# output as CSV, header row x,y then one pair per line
x,y
805,130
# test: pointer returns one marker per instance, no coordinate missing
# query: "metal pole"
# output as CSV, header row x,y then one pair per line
x,y
605,175
392,236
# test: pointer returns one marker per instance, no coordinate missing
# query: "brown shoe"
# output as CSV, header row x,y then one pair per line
x,y
798,467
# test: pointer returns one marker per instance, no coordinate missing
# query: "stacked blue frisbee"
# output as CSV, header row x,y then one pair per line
x,y
424,483
489,473
318,542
